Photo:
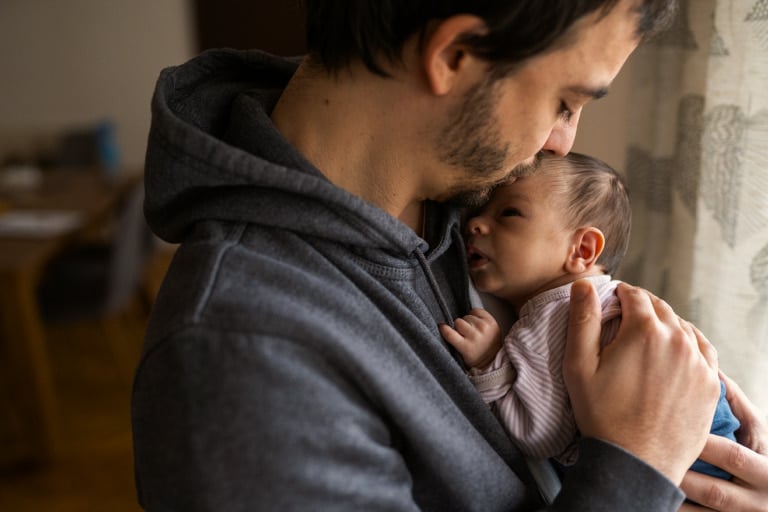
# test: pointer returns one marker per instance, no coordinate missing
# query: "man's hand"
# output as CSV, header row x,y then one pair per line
x,y
652,390
477,337
748,491
754,428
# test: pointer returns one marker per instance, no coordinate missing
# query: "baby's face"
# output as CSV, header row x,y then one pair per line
x,y
518,243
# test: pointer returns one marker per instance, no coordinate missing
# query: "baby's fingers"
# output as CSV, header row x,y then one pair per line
x,y
451,335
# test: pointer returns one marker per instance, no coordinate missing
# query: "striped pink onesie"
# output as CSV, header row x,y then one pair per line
x,y
525,381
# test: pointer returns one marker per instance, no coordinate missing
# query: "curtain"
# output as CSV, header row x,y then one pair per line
x,y
697,168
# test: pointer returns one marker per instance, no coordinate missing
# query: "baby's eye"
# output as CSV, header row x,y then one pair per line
x,y
510,212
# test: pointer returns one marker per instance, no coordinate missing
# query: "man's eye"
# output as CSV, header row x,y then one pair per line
x,y
565,113
511,212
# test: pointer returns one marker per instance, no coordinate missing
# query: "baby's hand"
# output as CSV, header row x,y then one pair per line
x,y
477,337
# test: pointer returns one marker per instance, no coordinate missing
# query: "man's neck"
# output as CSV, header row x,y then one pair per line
x,y
414,216
339,123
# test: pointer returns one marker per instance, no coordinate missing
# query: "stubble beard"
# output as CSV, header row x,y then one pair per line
x,y
479,196
471,142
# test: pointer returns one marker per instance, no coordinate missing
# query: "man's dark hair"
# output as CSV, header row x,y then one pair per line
x,y
341,31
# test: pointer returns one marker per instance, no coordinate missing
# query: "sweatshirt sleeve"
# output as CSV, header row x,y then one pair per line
x,y
216,428
607,478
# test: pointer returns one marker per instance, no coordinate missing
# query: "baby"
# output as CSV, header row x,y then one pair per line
x,y
535,236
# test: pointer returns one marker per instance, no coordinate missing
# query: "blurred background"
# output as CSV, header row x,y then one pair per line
x,y
78,269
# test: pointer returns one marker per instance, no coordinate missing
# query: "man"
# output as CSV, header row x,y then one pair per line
x,y
293,360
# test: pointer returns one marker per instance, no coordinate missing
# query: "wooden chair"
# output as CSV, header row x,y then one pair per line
x,y
99,285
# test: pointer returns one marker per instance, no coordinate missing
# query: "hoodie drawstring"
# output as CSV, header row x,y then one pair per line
x,y
434,287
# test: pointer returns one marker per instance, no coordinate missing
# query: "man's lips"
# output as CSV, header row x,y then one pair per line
x,y
475,258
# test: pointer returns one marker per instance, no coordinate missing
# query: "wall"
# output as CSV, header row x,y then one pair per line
x,y
65,63
603,130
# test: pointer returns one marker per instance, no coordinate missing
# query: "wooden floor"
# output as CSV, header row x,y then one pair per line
x,y
92,468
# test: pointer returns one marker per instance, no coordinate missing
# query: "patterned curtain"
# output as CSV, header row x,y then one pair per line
x,y
697,167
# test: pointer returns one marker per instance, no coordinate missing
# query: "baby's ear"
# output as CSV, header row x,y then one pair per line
x,y
588,244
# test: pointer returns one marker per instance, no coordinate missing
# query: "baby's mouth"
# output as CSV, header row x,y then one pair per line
x,y
475,258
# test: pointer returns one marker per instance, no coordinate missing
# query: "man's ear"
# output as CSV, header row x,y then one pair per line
x,y
444,55
588,244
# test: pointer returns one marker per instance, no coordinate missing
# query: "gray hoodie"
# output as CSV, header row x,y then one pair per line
x,y
293,360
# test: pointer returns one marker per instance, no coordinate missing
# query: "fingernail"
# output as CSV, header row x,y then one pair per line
x,y
579,289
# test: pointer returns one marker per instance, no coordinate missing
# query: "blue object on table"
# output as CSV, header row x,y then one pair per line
x,y
106,144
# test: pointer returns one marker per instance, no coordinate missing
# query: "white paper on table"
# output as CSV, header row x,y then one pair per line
x,y
38,223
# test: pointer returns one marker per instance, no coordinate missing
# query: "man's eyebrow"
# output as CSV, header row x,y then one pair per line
x,y
589,92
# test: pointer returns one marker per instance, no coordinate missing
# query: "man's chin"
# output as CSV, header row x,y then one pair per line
x,y
476,197
471,198
526,168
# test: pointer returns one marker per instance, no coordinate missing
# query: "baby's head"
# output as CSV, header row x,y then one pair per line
x,y
596,195
568,220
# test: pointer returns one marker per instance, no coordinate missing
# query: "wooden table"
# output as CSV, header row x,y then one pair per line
x,y
23,353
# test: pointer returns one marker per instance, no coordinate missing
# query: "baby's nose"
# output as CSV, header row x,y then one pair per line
x,y
476,226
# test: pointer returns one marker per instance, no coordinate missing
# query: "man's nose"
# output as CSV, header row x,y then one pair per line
x,y
561,137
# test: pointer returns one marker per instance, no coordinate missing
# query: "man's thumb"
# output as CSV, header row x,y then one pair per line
x,y
582,348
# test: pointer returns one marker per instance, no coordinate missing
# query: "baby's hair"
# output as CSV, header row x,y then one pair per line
x,y
597,195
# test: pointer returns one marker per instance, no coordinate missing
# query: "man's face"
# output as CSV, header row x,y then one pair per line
x,y
501,126
472,141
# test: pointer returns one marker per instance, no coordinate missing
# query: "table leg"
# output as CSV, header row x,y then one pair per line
x,y
22,342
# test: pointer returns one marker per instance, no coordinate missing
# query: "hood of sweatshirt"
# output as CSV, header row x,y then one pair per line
x,y
213,153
